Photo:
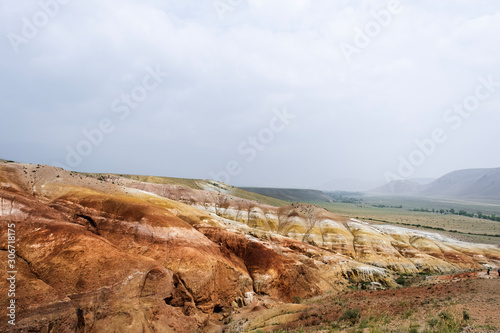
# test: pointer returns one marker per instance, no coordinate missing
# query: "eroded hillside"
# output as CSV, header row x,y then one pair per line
x,y
104,253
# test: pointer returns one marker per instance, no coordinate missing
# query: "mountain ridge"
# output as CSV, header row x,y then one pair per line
x,y
480,183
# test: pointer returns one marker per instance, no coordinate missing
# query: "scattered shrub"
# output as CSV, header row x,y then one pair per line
x,y
414,328
445,315
363,324
408,313
433,322
465,315
351,315
401,280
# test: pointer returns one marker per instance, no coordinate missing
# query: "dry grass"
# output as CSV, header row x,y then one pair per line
x,y
459,227
443,307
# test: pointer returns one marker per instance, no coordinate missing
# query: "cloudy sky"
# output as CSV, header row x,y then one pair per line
x,y
289,93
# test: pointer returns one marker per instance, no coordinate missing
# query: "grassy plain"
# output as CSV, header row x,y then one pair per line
x,y
456,226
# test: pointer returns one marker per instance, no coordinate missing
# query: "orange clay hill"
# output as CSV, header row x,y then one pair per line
x,y
113,253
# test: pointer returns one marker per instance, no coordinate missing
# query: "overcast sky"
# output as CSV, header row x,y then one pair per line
x,y
288,93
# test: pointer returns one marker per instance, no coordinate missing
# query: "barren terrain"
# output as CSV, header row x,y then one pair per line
x,y
449,303
109,253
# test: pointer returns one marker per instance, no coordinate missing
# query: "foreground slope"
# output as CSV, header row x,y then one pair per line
x,y
466,303
98,253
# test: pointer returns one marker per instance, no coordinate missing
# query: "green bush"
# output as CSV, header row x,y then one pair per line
x,y
433,322
414,328
445,316
351,315
446,323
401,280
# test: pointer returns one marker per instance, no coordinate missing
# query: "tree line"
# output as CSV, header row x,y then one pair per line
x,y
461,212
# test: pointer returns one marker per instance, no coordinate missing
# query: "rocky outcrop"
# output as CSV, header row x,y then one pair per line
x,y
275,267
111,254
71,279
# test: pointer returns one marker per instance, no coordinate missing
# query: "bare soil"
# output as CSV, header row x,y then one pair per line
x,y
467,302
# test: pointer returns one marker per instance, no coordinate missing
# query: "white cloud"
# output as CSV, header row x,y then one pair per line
x,y
225,77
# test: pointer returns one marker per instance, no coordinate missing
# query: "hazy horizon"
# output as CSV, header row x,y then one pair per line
x,y
291,94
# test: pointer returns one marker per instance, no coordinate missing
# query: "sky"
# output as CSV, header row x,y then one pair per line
x,y
282,93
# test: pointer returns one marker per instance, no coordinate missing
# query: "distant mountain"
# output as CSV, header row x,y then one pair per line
x,y
468,183
349,184
471,183
399,187
290,194
422,181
